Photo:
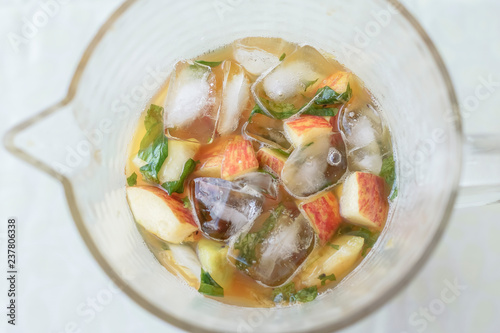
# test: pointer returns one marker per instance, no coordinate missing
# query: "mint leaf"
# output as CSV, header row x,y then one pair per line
x,y
370,238
177,186
256,109
208,63
394,194
314,110
324,278
388,171
307,294
186,202
281,152
132,180
154,145
336,247
267,172
283,56
288,293
327,95
283,293
247,243
208,286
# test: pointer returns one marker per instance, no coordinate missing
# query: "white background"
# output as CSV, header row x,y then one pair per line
x,y
57,275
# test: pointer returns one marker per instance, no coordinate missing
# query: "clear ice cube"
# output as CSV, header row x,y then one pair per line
x,y
267,131
289,86
284,249
192,102
224,208
363,132
257,60
235,97
260,181
315,167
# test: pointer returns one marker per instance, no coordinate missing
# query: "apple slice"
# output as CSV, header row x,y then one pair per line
x,y
239,158
322,211
213,258
179,152
306,129
327,260
210,167
272,159
338,82
363,201
161,214
183,261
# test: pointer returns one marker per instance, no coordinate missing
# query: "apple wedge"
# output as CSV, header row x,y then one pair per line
x,y
179,152
323,213
363,201
161,214
272,159
327,260
210,167
213,258
338,82
306,129
239,158
183,261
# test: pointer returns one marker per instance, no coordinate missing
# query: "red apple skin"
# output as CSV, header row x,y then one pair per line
x,y
338,82
323,212
306,129
271,159
239,158
175,205
372,200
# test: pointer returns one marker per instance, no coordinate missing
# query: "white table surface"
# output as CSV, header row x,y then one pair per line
x,y
57,275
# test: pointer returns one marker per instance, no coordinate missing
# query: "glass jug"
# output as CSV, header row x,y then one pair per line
x,y
82,141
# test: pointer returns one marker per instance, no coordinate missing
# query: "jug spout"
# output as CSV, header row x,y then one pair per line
x,y
52,141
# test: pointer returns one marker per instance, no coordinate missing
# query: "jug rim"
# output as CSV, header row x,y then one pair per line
x,y
350,319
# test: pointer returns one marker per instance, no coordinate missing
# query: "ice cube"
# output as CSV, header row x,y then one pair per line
x,y
260,181
235,97
254,60
368,159
283,250
314,167
267,131
224,208
363,132
192,102
289,86
257,55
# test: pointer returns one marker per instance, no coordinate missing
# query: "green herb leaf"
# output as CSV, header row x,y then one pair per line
x,y
165,246
309,144
153,148
307,294
177,186
247,243
284,293
280,110
267,172
388,171
394,194
208,286
132,180
283,56
288,293
208,63
370,238
314,110
256,109
327,95
307,84
336,247
324,278
281,152
186,202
